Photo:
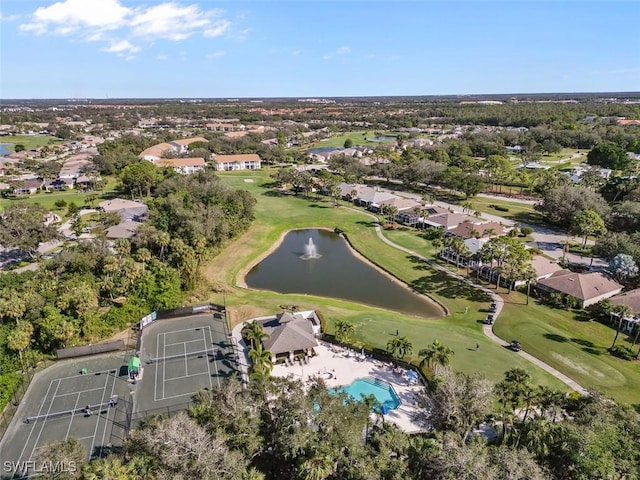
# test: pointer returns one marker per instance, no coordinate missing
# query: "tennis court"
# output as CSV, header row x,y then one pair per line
x,y
181,356
55,409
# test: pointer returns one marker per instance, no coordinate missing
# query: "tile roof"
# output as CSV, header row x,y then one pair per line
x,y
181,162
245,157
464,229
188,141
630,298
583,286
449,220
288,333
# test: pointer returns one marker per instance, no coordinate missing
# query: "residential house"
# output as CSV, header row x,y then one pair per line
x,y
127,209
247,161
291,334
27,187
450,220
224,127
126,229
467,229
84,182
631,299
182,165
59,184
158,151
586,288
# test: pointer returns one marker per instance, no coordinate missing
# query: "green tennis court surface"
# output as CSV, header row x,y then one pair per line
x,y
179,357
54,410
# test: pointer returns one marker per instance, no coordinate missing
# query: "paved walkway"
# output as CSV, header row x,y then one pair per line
x,y
487,329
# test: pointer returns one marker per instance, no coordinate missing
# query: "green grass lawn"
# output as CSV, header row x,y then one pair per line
x,y
574,346
517,211
29,141
275,214
567,156
358,138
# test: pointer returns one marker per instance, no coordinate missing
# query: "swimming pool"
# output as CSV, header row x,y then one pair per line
x,y
384,393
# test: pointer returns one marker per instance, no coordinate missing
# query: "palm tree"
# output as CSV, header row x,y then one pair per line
x,y
20,338
110,468
343,331
144,256
530,276
442,355
318,467
620,312
261,361
467,207
13,306
457,246
254,333
399,347
162,240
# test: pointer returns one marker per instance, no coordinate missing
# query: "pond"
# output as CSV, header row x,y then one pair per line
x,y
382,138
321,150
321,262
4,150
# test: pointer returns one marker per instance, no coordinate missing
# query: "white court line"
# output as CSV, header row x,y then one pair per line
x,y
178,343
34,425
84,375
215,364
181,395
186,366
76,393
155,385
184,330
204,339
95,430
106,418
73,415
187,376
164,354
45,420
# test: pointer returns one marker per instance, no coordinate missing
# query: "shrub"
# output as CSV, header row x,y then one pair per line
x,y
323,321
526,231
622,352
500,208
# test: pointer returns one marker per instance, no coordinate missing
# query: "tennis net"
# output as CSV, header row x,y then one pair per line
x,y
74,411
210,353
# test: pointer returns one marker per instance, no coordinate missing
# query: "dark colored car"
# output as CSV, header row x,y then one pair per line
x,y
515,346
488,320
493,307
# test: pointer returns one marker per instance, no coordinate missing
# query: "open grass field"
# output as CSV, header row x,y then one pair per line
x,y
29,141
276,213
517,211
575,346
358,138
569,156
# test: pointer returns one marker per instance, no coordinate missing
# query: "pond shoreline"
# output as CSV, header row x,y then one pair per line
x,y
240,279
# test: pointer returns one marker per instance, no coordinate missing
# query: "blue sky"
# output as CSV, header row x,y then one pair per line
x,y
308,48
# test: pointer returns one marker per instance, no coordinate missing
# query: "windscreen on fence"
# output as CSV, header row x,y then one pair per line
x,y
90,349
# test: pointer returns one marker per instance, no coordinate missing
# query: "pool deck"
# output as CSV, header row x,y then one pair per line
x,y
337,367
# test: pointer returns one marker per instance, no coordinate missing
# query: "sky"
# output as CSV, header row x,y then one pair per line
x,y
315,48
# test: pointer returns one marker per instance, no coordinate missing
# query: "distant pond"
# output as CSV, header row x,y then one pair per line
x,y
4,150
320,262
382,138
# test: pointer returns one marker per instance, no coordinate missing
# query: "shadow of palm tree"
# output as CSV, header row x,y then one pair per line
x,y
555,337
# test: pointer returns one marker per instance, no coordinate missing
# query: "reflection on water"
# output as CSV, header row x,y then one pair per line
x,y
337,273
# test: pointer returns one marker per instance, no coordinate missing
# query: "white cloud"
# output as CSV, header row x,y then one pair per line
x,y
162,58
76,14
344,50
112,23
122,48
217,29
218,54
170,21
296,52
8,18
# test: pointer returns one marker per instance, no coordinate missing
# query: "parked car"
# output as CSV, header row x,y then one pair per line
x,y
515,346
488,320
493,307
